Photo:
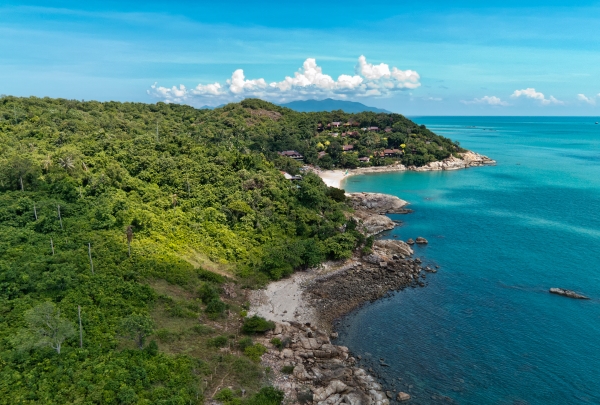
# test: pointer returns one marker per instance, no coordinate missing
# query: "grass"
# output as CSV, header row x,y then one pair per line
x,y
182,327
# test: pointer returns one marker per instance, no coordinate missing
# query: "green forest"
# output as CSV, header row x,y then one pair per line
x,y
132,232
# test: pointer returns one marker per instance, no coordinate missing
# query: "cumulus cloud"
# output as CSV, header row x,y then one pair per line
x,y
589,100
536,95
309,81
487,100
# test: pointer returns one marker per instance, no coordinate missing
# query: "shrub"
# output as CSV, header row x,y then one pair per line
x,y
165,335
266,396
257,324
336,194
254,352
208,293
287,369
219,341
244,343
277,343
225,395
215,308
203,330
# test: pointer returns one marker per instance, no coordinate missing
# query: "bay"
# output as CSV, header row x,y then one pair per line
x,y
485,330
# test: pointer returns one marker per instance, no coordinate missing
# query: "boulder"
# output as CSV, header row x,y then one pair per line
x,y
410,242
421,240
377,203
394,247
403,396
372,224
568,293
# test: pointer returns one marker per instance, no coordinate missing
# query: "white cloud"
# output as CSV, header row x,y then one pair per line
x,y
308,81
536,95
589,100
487,100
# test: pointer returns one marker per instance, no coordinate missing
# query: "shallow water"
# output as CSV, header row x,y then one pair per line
x,y
485,330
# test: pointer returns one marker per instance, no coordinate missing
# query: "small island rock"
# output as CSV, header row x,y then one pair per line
x,y
568,293
403,396
421,240
410,241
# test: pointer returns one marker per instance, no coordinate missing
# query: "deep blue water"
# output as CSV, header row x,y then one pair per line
x,y
485,330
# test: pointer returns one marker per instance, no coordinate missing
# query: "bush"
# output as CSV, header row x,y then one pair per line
x,y
277,343
208,293
215,308
266,396
287,369
165,335
219,341
244,343
225,395
257,324
336,194
254,352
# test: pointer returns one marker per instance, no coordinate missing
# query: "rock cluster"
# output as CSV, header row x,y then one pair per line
x,y
372,224
467,159
323,373
368,279
377,203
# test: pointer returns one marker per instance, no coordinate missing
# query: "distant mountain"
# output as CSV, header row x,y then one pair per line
x,y
330,104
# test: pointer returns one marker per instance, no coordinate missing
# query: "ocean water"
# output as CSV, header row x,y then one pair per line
x,y
485,330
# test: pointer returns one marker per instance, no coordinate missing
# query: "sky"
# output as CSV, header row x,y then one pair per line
x,y
461,57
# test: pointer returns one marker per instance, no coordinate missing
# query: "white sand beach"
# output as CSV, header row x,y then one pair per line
x,y
333,178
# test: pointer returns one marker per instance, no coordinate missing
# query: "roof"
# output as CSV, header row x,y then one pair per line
x,y
286,175
290,153
348,147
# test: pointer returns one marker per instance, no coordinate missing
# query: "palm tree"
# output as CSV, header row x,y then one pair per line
x,y
67,163
47,162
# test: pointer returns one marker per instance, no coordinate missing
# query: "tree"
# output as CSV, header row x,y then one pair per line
x,y
45,327
137,327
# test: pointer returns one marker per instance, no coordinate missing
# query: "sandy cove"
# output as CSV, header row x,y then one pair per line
x,y
334,178
304,305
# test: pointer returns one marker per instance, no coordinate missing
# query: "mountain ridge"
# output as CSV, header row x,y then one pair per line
x,y
330,104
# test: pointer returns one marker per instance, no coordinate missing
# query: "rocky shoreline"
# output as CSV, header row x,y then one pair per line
x,y
307,366
334,178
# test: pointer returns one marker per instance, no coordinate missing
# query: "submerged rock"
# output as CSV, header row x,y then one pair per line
x,y
568,293
403,396
410,241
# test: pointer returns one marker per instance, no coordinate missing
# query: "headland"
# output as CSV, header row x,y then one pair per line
x,y
305,305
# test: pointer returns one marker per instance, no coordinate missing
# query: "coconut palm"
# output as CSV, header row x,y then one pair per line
x,y
67,163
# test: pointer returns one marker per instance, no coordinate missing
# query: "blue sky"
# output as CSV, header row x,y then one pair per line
x,y
431,58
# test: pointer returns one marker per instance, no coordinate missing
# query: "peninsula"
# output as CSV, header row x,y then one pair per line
x,y
145,230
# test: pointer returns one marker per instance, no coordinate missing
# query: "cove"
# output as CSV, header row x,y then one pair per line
x,y
485,330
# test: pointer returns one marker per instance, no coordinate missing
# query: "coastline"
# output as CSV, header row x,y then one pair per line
x,y
334,178
305,305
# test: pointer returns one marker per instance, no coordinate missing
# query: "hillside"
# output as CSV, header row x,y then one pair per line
x,y
330,104
154,220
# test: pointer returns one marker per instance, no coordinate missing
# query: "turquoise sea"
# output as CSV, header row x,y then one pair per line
x,y
485,330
